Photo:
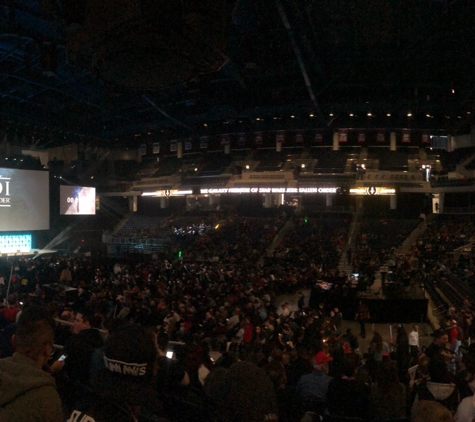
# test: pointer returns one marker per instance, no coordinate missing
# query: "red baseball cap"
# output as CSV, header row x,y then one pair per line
x,y
321,357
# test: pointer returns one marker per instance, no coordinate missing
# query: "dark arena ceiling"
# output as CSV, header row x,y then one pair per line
x,y
109,71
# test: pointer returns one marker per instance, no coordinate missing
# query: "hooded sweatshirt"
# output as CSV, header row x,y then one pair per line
x,y
27,393
443,393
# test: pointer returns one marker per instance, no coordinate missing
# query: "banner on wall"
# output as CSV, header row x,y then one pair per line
x,y
361,137
241,139
188,145
406,135
380,135
225,139
298,138
280,136
173,145
258,138
156,147
318,137
343,135
203,142
143,149
425,138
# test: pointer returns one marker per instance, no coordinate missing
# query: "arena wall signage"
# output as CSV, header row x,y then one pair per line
x,y
307,190
372,190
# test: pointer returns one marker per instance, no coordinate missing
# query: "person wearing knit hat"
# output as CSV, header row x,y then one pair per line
x,y
431,411
124,386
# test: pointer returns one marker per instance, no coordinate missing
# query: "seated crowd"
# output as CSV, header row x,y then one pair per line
x,y
235,356
101,351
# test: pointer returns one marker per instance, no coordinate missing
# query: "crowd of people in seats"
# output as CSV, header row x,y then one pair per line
x,y
102,352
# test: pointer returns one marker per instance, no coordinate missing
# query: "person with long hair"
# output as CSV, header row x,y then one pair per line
x,y
403,357
388,395
378,347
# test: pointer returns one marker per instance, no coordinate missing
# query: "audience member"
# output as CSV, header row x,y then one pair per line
x,y
346,395
388,395
313,387
430,411
123,389
27,392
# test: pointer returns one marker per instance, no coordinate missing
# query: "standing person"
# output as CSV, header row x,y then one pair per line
x,y
301,300
440,386
454,337
80,347
336,319
438,347
402,354
27,392
388,395
362,315
414,344
378,347
348,396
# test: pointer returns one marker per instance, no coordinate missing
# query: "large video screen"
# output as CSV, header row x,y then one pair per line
x,y
77,200
24,200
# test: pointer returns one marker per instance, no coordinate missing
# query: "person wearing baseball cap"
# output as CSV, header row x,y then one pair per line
x,y
313,387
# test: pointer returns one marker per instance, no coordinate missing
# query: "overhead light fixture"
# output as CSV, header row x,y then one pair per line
x,y
388,114
409,114
370,114
292,116
351,114
311,115
331,114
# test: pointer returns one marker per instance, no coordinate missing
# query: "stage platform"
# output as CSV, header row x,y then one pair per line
x,y
425,333
30,253
388,303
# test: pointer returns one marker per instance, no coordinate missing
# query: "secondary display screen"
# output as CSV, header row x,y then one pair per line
x,y
24,200
77,200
